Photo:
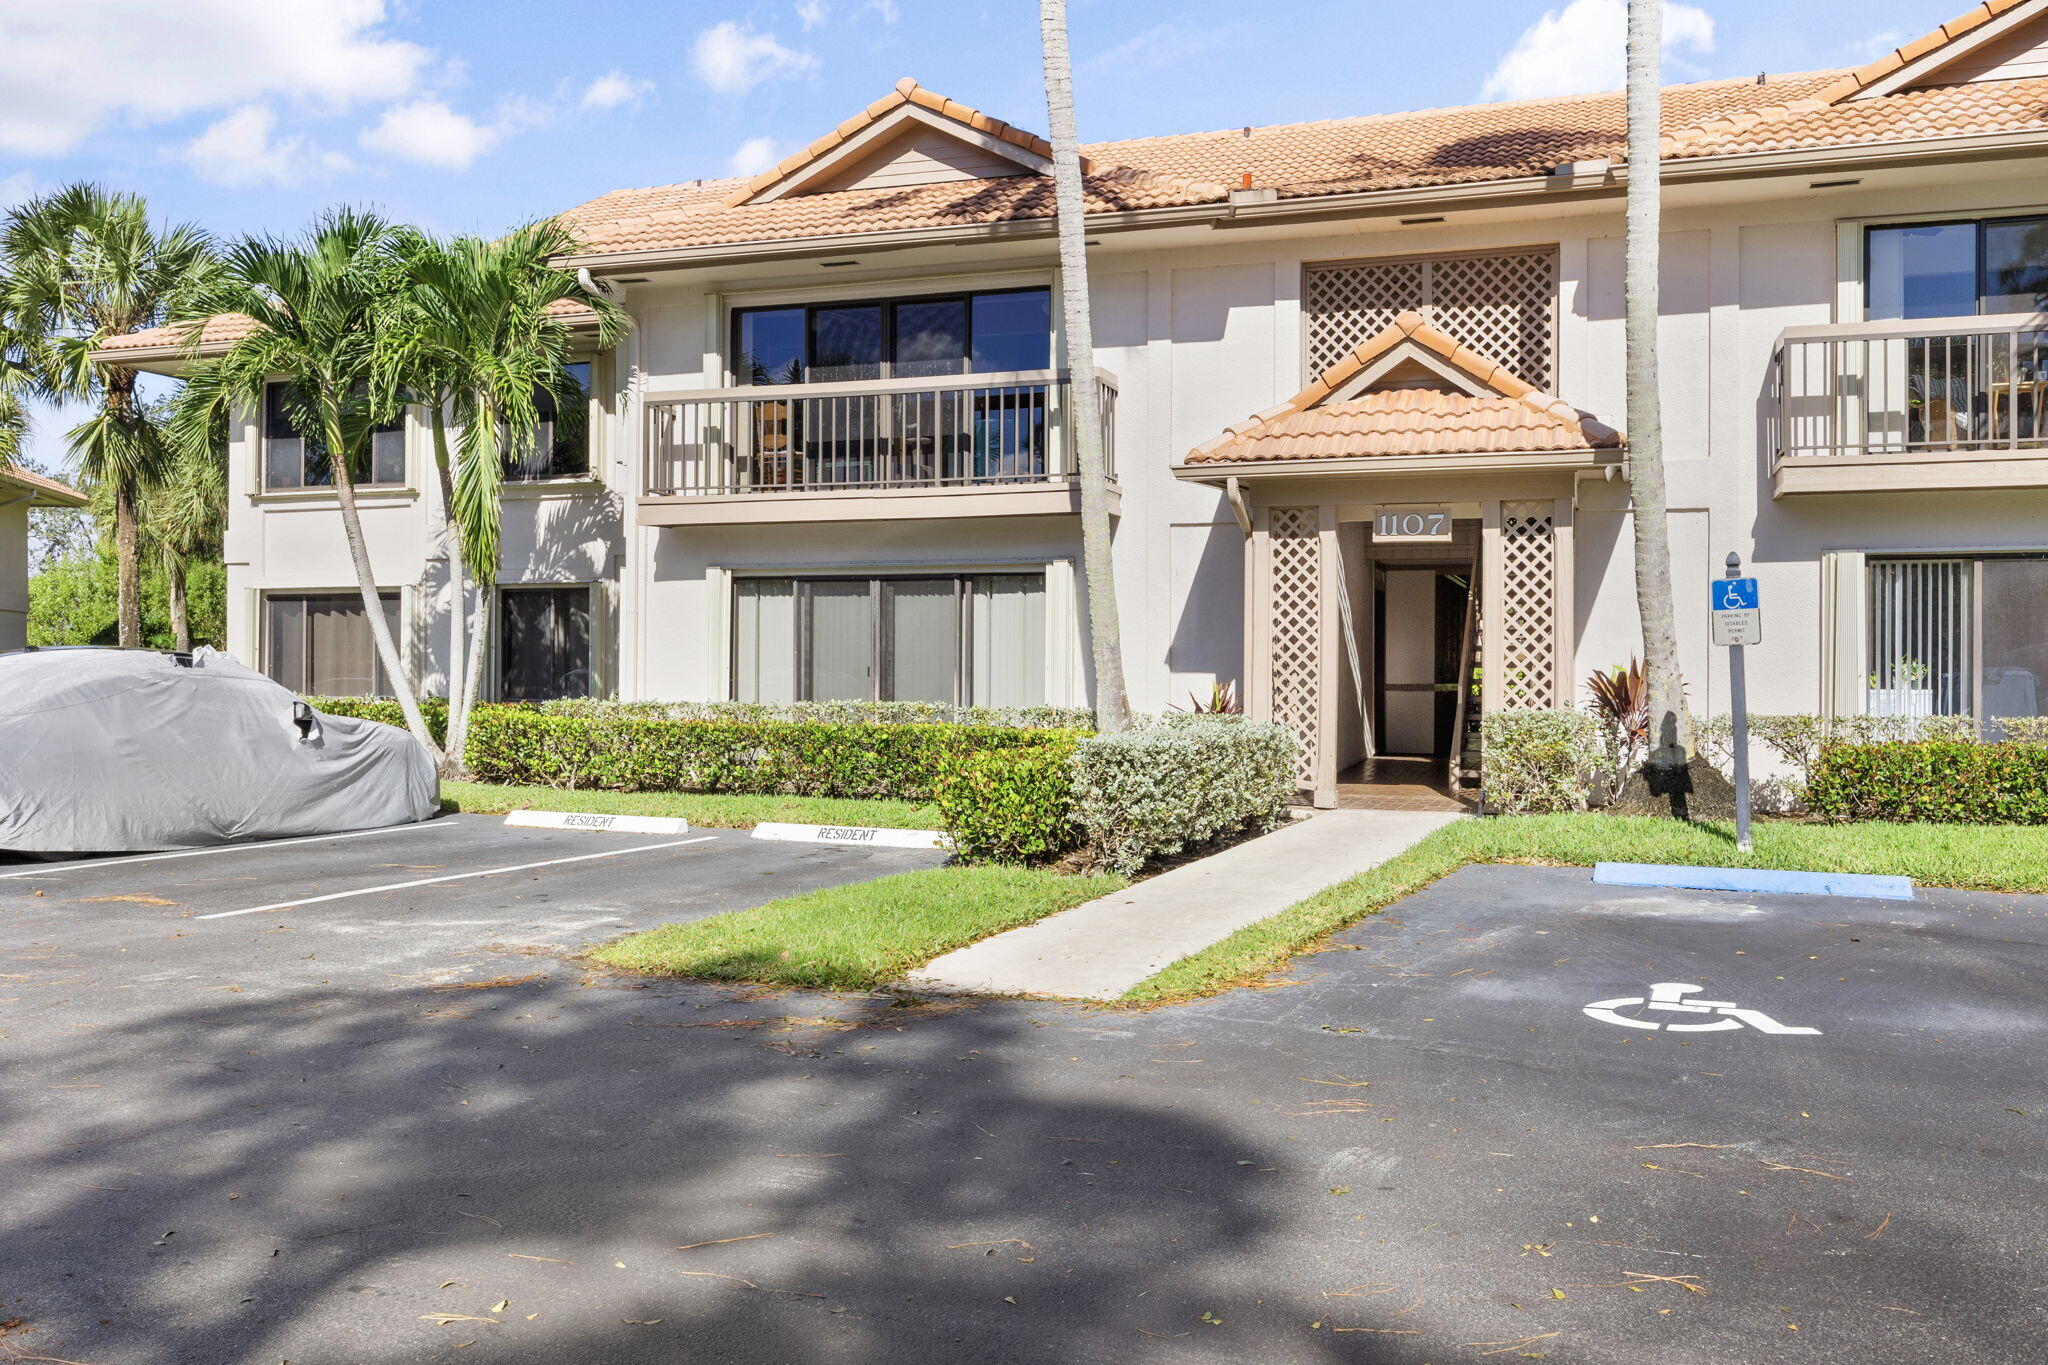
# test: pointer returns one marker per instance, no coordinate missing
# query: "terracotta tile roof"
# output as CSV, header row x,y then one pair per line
x,y
1910,115
49,493
226,328
1863,77
1515,418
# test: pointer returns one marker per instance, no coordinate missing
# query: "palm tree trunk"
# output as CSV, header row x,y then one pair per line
x,y
181,622
128,567
373,607
454,764
1112,703
1670,726
472,682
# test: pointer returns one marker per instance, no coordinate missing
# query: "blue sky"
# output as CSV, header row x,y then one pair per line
x,y
251,115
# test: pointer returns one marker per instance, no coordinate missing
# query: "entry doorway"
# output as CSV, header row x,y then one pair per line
x,y
1419,618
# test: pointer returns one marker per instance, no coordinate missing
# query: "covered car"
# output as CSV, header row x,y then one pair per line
x,y
109,750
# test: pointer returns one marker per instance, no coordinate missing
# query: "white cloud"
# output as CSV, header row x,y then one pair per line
x,y
733,61
812,12
16,188
613,89
1167,44
1583,48
69,69
242,148
429,133
886,9
755,155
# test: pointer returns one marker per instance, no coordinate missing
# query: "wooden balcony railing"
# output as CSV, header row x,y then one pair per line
x,y
950,431
1923,389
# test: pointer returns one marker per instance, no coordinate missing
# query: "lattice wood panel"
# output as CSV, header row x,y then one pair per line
x,y
1295,618
1528,598
1503,305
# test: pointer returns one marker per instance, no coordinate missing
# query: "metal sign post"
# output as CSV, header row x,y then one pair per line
x,y
1738,621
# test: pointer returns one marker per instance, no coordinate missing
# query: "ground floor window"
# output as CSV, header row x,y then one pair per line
x,y
543,643
319,644
960,639
1959,636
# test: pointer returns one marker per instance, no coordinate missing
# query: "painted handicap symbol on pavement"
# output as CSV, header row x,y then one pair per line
x,y
1669,996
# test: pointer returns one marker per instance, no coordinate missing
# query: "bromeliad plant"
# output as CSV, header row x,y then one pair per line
x,y
1621,703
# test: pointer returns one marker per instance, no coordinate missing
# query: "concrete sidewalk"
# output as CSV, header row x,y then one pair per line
x,y
1100,950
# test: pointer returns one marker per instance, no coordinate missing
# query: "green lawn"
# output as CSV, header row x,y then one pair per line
x,y
1992,858
714,810
855,937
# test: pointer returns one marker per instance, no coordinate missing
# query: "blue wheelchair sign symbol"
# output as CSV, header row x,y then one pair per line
x,y
1733,594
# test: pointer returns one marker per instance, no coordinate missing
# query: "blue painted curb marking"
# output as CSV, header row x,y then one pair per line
x,y
1755,879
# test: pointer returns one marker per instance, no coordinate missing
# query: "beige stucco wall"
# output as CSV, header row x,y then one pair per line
x,y
13,570
1202,328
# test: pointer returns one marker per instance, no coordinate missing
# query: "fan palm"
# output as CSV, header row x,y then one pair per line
x,y
474,335
185,514
317,302
1112,705
80,265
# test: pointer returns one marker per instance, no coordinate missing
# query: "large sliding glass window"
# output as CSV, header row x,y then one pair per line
x,y
827,343
1959,636
294,461
956,639
1960,269
543,643
319,644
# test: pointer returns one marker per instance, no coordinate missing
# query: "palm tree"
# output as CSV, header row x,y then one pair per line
x,y
16,378
1670,737
185,514
1112,705
82,264
472,336
317,303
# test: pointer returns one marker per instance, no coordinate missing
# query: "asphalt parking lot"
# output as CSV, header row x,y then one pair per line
x,y
298,1135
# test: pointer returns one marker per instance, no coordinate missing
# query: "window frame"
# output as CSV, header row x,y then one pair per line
x,y
264,487
881,661
592,612
266,643
1977,222
887,303
595,412
1973,620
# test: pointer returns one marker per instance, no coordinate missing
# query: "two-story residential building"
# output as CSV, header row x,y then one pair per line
x,y
1365,385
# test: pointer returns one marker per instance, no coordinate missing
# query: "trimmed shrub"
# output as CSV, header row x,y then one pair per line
x,y
434,709
1945,781
1150,792
1538,762
528,746
1010,804
830,712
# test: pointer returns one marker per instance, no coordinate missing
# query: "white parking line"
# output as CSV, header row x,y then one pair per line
x,y
52,869
457,876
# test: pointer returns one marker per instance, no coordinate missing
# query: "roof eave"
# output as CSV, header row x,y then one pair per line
x,y
1493,462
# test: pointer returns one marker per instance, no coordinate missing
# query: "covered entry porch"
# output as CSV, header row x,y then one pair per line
x,y
1410,567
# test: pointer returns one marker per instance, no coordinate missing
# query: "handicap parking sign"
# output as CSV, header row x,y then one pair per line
x,y
1737,619
1733,594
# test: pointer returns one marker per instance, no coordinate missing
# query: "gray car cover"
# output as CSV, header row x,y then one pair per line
x,y
105,751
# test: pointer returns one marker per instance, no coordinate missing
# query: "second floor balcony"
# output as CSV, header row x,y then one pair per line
x,y
1929,403
950,445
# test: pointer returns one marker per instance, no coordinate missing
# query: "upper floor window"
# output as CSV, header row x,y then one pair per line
x,y
1956,269
294,461
560,448
993,331
1502,304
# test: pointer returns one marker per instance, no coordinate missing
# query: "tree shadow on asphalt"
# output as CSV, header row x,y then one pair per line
x,y
296,1177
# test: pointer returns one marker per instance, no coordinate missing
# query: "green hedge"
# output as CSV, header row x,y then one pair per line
x,y
529,747
1010,805
1946,781
434,709
1538,762
1150,792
